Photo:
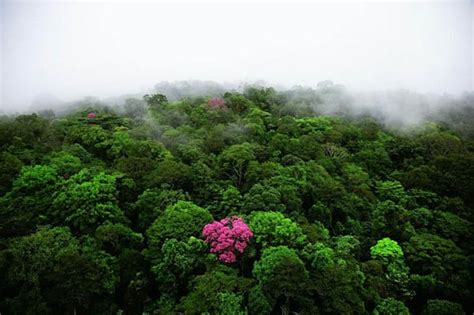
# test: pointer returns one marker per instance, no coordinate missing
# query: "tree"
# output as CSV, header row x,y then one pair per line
x,y
151,203
51,271
452,176
264,98
262,198
258,303
176,262
375,158
442,307
392,190
282,275
28,204
230,304
231,201
319,256
290,190
390,306
115,238
170,172
65,163
451,226
205,295
357,179
93,138
155,101
336,279
386,250
228,238
28,137
391,255
181,221
390,219
86,201
441,266
234,162
421,217
273,229
440,143
10,167
237,103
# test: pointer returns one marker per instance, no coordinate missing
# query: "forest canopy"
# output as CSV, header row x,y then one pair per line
x,y
250,202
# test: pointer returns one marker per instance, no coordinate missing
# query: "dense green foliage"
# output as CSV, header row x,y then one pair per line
x,y
104,215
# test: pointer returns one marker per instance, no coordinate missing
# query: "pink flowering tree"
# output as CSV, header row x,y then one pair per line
x,y
216,102
227,238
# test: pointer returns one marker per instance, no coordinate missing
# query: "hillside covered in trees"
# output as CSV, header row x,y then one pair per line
x,y
259,202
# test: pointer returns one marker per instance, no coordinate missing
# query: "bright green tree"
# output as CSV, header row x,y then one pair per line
x,y
181,221
86,201
29,202
273,229
390,306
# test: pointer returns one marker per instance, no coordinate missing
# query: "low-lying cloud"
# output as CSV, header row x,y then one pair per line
x,y
56,52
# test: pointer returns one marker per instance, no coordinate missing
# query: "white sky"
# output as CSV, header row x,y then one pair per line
x,y
74,49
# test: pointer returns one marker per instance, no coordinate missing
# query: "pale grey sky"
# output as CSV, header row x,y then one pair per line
x,y
75,49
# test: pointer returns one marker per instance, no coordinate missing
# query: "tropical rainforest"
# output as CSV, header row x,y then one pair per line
x,y
249,202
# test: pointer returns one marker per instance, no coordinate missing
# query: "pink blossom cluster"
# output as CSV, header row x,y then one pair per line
x,y
227,238
216,102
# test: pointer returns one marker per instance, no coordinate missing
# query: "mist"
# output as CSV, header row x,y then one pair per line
x,y
57,52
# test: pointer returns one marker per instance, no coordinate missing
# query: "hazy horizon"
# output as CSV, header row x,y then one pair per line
x,y
68,50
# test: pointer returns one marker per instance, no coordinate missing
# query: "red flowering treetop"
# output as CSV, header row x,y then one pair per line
x,y
227,238
91,115
216,102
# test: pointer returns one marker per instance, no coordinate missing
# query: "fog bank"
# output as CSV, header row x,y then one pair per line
x,y
68,50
